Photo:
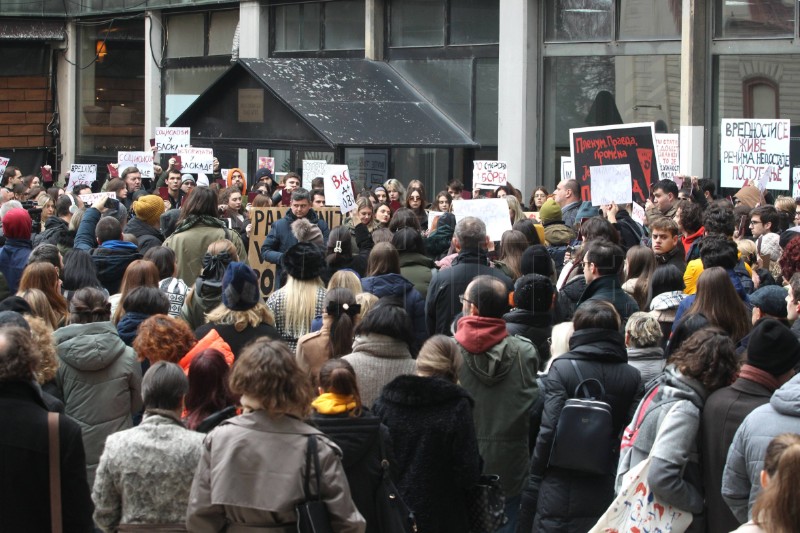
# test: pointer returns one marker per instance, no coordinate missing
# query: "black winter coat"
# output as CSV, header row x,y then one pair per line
x,y
568,296
56,231
146,235
566,500
534,327
630,231
434,442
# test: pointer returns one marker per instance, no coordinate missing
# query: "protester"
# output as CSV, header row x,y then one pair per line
x,y
664,295
209,401
206,292
174,288
640,263
415,266
568,197
145,225
233,213
643,339
163,338
140,304
140,273
44,277
531,316
14,253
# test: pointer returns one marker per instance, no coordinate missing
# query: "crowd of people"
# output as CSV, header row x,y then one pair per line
x,y
402,341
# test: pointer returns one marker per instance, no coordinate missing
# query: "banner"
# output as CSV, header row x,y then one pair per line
x,y
567,169
493,212
611,183
262,219
168,140
81,174
749,146
196,160
631,144
489,174
668,155
313,168
90,199
141,160
339,187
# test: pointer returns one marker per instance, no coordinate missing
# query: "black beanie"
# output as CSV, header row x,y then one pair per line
x,y
303,261
773,347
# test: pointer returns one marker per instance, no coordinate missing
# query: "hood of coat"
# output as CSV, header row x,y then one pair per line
x,y
381,346
558,234
786,400
681,387
528,318
652,353
418,391
595,344
493,365
478,334
387,285
140,228
415,259
89,347
355,435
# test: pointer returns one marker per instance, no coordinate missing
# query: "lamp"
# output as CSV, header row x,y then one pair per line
x,y
100,50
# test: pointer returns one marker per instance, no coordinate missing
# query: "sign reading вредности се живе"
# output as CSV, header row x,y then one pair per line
x,y
749,148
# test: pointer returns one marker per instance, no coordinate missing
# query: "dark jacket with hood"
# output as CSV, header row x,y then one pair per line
x,y
608,289
566,500
536,327
631,232
147,235
281,238
398,287
13,259
417,269
56,231
434,444
568,298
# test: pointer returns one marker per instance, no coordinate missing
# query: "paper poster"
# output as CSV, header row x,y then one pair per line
x,y
141,160
611,184
81,174
4,161
668,155
90,199
567,169
312,168
749,146
168,140
268,163
795,184
432,216
489,174
339,187
224,173
493,212
638,214
533,215
195,160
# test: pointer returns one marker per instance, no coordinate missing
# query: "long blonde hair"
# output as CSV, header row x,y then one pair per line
x,y
301,304
258,314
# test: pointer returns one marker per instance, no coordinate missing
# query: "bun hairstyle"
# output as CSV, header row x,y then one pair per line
x,y
439,357
89,305
338,377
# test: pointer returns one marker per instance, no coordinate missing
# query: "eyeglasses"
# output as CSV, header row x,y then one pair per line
x,y
462,299
754,222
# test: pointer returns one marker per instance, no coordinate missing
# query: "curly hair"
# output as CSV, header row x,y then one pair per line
x,y
709,356
643,330
268,373
790,259
163,338
18,355
42,335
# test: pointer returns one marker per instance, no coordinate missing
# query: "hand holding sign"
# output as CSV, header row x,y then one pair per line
x,y
611,184
489,174
196,160
168,140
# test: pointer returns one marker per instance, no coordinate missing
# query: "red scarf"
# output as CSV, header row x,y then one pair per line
x,y
688,240
762,377
479,333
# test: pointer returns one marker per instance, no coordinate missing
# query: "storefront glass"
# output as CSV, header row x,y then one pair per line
x,y
757,18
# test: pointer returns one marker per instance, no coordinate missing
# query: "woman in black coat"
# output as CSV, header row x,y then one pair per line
x,y
433,436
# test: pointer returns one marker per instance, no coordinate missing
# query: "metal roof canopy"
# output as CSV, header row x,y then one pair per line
x,y
341,102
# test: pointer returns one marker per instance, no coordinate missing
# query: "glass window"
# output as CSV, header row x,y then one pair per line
x,y
650,19
297,27
29,59
221,32
417,23
186,35
474,21
579,20
429,165
344,25
183,85
283,160
486,79
368,167
762,18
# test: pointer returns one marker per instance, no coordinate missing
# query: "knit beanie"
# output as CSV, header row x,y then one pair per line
x,y
769,245
536,260
303,261
550,211
773,347
17,224
149,208
240,290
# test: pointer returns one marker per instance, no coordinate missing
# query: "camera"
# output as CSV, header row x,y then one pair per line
x,y
35,212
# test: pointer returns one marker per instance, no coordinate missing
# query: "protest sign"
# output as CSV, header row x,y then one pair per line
x,y
668,155
489,174
141,160
433,215
267,162
168,140
638,214
339,187
313,168
611,184
493,212
196,160
4,161
749,146
90,199
533,215
631,144
262,220
795,185
567,169
81,174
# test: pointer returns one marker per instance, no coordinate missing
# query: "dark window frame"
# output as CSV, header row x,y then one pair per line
x,y
321,51
748,84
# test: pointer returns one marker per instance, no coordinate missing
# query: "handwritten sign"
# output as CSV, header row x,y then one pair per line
x,y
262,220
668,155
141,160
90,199
489,174
638,214
268,163
4,161
567,169
82,174
493,212
611,183
312,168
795,180
339,187
195,160
168,140
749,146
631,144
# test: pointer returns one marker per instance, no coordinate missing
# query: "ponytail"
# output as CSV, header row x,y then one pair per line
x,y
340,305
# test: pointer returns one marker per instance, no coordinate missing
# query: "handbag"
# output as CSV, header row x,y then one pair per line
x,y
637,508
54,453
585,439
486,503
393,514
312,514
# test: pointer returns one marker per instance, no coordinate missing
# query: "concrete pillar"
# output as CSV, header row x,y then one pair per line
x,y
253,30
373,29
67,82
152,75
693,88
518,111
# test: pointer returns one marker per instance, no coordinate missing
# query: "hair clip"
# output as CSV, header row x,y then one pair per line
x,y
338,248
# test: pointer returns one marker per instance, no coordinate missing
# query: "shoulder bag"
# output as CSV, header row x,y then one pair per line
x,y
394,516
54,451
486,504
312,515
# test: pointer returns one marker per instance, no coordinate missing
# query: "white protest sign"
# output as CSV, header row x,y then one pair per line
x,y
567,168
795,179
489,174
432,216
611,183
4,161
668,155
196,160
90,199
493,212
141,160
638,214
769,174
81,174
313,168
749,146
339,187
168,140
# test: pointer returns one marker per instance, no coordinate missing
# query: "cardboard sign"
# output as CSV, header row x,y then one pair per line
x,y
611,183
313,168
749,146
493,212
82,174
339,187
168,140
631,144
567,169
489,174
141,160
262,219
90,199
4,161
196,160
668,155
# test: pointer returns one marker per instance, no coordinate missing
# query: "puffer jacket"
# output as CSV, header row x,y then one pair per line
x,y
99,381
13,258
396,286
536,327
56,231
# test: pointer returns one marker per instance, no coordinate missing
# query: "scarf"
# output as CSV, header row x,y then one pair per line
x,y
329,403
479,333
202,220
762,377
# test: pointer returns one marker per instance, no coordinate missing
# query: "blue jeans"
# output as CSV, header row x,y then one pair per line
x,y
512,510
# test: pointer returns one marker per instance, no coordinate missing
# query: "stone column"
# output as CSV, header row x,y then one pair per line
x,y
694,46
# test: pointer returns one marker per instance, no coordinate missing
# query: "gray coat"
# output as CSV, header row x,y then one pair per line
x,y
377,360
648,361
99,381
741,479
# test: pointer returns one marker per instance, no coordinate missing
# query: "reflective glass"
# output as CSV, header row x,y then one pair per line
x,y
754,18
185,35
344,25
417,23
474,21
221,31
650,19
297,27
579,20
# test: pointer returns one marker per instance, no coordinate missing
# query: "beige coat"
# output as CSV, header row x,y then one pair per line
x,y
250,478
314,349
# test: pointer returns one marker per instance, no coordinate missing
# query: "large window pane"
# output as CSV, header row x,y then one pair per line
x,y
486,79
344,25
182,86
368,167
417,23
650,19
579,20
429,165
474,21
755,18
185,35
297,27
221,32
